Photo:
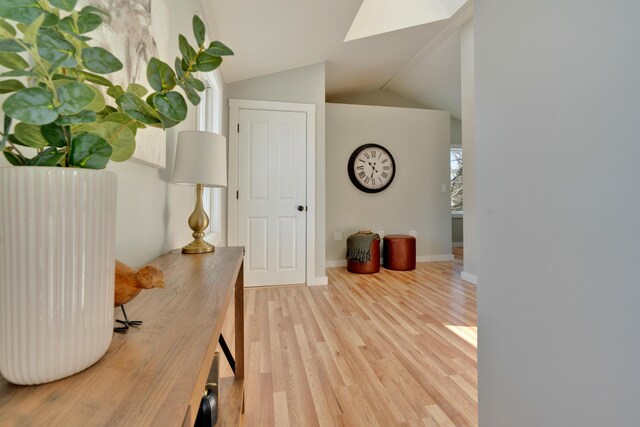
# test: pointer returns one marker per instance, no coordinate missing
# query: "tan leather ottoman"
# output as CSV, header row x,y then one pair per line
x,y
399,252
369,267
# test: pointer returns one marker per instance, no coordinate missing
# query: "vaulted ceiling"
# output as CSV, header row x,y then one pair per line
x,y
421,63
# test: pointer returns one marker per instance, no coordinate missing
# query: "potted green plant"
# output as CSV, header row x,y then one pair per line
x,y
64,120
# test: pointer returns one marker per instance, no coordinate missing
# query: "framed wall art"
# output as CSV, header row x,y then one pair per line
x,y
136,31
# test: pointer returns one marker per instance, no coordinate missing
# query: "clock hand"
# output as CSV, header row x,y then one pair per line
x,y
373,166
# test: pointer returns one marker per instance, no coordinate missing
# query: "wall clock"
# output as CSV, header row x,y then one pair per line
x,y
371,168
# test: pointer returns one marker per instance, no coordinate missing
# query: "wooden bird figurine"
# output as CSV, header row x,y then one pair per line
x,y
128,285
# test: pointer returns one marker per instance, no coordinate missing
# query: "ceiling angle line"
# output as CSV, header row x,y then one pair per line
x,y
458,20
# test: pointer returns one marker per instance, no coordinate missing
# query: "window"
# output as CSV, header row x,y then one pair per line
x,y
210,119
456,180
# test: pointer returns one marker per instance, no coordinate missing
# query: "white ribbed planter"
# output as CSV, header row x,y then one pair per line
x,y
57,239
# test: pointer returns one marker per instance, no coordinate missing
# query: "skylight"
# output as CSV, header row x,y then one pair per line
x,y
382,16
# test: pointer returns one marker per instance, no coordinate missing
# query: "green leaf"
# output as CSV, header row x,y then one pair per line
x,y
8,4
115,91
31,32
137,109
108,110
89,151
12,61
218,48
149,99
185,48
100,61
88,22
64,77
123,119
30,135
14,158
12,85
74,97
99,103
198,30
195,83
5,134
167,122
93,9
66,25
53,47
18,73
7,27
191,93
28,14
67,5
10,46
178,68
118,135
78,36
206,62
171,105
54,134
94,78
137,89
81,117
31,105
49,157
160,75
11,7
184,65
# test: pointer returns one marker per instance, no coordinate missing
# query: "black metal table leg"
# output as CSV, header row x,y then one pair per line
x,y
227,353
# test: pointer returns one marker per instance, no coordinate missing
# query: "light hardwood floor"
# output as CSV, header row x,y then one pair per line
x,y
389,349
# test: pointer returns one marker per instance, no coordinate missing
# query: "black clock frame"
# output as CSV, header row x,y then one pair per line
x,y
352,173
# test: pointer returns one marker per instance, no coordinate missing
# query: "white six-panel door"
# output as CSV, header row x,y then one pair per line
x,y
272,196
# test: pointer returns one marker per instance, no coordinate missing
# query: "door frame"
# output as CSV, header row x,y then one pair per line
x,y
235,105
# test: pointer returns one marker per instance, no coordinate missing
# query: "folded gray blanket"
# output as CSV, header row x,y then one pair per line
x,y
359,246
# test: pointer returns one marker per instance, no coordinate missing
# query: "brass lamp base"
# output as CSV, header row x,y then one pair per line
x,y
198,246
198,222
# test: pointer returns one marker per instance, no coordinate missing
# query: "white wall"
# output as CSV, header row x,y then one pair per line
x,y
304,85
470,226
557,175
432,77
419,141
377,97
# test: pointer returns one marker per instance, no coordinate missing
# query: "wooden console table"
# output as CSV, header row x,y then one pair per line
x,y
155,374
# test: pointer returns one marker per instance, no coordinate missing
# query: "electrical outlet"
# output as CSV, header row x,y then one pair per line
x,y
337,237
413,233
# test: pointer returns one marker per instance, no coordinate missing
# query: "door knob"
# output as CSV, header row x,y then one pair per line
x,y
300,208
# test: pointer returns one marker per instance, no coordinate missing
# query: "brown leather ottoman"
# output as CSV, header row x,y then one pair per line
x,y
372,266
399,252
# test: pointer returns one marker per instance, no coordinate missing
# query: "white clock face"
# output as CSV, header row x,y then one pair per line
x,y
372,168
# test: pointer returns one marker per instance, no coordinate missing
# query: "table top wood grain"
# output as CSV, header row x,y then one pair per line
x,y
154,373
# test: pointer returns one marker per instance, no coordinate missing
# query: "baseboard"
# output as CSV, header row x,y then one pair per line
x,y
319,281
338,263
422,258
471,278
457,244
434,258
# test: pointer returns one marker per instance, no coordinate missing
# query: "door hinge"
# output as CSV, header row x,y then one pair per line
x,y
238,127
237,194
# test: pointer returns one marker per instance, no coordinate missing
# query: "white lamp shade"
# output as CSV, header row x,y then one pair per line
x,y
201,158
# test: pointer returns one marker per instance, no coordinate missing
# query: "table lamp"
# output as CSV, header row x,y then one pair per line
x,y
201,160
